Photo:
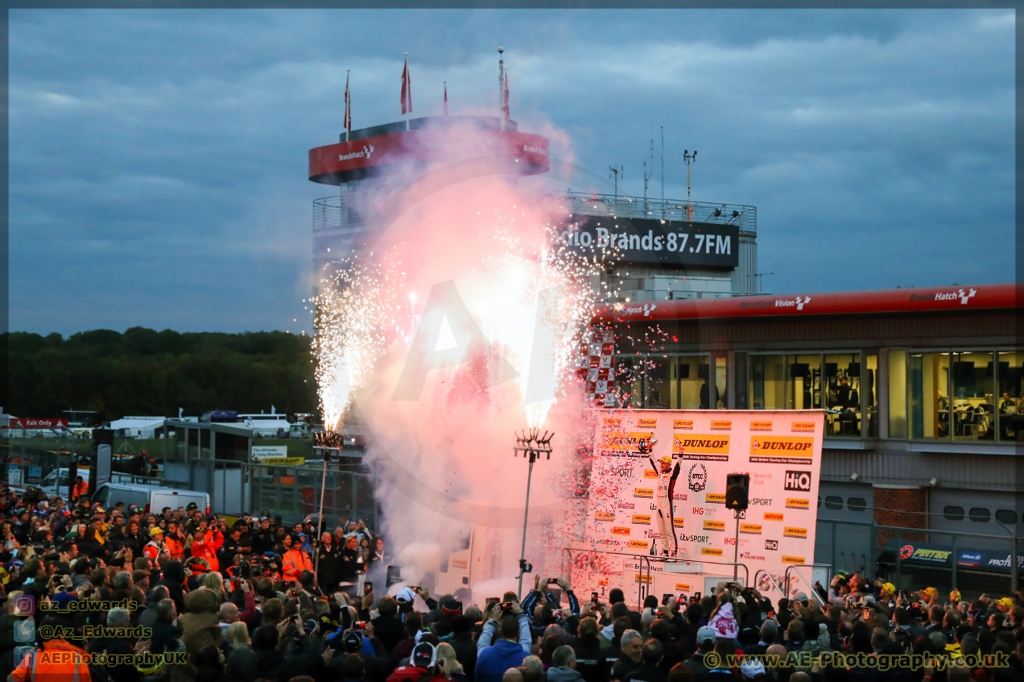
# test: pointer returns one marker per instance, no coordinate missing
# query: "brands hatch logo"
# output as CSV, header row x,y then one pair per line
x,y
964,296
647,309
698,478
535,150
799,303
365,154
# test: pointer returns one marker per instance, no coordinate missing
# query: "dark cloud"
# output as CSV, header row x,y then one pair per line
x,y
158,158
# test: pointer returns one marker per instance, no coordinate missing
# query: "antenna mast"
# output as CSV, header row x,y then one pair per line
x,y
616,171
648,173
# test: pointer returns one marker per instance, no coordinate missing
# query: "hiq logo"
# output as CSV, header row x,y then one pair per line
x,y
25,631
771,545
24,605
798,480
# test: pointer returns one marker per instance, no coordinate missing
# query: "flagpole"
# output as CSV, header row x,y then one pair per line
x,y
408,92
348,106
501,87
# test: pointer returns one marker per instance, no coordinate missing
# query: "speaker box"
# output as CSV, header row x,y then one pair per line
x,y
736,488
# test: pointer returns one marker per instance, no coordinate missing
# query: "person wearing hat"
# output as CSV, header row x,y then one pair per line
x,y
667,468
421,664
156,544
295,561
206,540
264,539
706,639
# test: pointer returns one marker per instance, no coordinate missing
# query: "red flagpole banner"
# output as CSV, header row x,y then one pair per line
x,y
445,110
406,89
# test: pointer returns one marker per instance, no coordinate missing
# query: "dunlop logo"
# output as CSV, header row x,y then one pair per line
x,y
786,559
677,522
772,516
803,427
682,424
714,498
714,525
604,516
644,519
643,492
613,421
710,551
760,426
638,544
797,503
646,423
639,577
781,449
721,425
791,532
752,528
682,587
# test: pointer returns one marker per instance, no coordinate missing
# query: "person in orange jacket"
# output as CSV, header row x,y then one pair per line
x,y
81,489
295,561
56,660
175,541
206,542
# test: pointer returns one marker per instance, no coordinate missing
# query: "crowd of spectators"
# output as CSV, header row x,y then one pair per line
x,y
116,594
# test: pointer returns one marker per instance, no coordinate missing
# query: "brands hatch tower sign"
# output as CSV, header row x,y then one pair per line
x,y
640,240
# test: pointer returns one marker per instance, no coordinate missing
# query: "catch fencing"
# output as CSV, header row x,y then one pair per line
x,y
915,558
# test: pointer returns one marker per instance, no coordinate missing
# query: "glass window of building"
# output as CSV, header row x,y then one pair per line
x,y
767,381
721,398
833,502
629,381
870,385
856,504
742,403
692,390
803,386
1007,517
973,409
657,383
1009,397
953,513
928,394
980,514
897,394
841,383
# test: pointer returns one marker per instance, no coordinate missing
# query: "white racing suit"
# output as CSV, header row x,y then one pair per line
x,y
663,510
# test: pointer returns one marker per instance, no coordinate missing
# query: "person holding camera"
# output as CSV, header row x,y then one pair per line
x,y
512,626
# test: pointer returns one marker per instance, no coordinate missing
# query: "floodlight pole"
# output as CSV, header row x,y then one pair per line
x,y
532,445
320,515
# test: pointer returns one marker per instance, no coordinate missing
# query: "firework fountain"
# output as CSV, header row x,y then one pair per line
x,y
475,283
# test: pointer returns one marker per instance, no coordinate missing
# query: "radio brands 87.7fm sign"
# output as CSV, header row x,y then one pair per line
x,y
654,241
671,503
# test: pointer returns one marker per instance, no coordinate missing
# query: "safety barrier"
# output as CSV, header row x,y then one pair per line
x,y
810,588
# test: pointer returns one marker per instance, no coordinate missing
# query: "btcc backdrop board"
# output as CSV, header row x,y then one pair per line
x,y
780,450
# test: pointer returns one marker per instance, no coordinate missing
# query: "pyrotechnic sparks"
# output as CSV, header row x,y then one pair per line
x,y
353,312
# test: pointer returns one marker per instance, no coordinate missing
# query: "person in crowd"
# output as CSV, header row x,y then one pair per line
x,y
294,561
508,621
631,657
563,666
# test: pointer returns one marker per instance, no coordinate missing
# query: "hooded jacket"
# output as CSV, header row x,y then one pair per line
x,y
724,623
174,577
494,660
200,626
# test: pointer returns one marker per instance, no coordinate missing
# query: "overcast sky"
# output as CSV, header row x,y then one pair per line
x,y
158,158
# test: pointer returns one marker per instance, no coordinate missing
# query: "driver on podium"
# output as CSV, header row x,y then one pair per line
x,y
667,468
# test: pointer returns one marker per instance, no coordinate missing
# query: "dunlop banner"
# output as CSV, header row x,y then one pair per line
x,y
673,500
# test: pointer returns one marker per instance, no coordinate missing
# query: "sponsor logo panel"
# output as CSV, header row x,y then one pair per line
x,y
803,427
798,503
714,498
643,492
760,426
788,559
750,528
641,519
701,447
710,551
798,481
781,449
714,525
620,530
792,532
682,424
771,545
772,516
604,516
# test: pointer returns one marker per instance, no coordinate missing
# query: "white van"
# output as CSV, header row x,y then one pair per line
x,y
149,498
57,482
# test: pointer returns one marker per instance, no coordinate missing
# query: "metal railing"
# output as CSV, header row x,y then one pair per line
x,y
735,564
336,212
672,210
810,588
771,580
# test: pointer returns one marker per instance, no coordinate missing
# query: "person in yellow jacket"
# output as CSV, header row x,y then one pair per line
x,y
295,561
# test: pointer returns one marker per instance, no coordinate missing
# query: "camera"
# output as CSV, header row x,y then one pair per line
x,y
506,606
361,624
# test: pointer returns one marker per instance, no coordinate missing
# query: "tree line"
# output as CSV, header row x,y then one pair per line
x,y
146,372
